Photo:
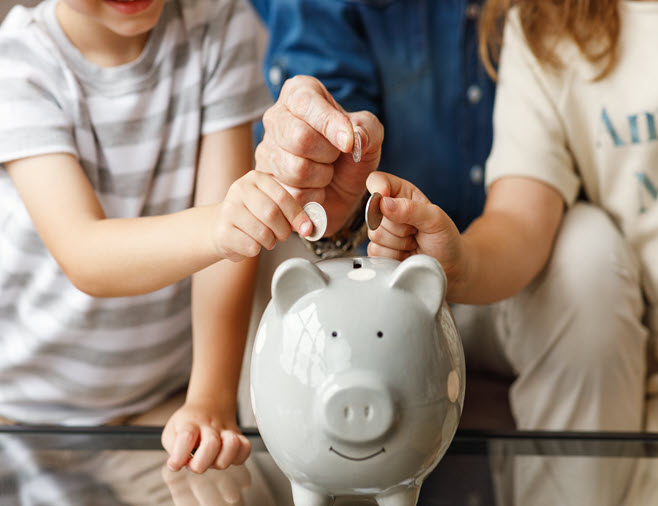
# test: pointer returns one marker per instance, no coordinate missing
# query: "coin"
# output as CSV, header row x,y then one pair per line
x,y
319,219
373,211
356,149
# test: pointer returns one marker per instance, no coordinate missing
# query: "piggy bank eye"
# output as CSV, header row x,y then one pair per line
x,y
334,334
380,334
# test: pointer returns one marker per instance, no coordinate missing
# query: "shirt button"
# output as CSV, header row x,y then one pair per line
x,y
474,94
476,174
472,11
274,75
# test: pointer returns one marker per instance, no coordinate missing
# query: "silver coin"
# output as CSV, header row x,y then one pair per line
x,y
373,211
356,148
319,218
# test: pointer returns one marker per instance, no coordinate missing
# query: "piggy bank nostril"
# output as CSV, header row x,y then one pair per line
x,y
356,411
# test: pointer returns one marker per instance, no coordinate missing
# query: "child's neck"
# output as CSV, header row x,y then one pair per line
x,y
97,43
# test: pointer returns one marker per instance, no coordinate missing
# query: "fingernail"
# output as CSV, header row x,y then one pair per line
x,y
390,203
306,228
342,138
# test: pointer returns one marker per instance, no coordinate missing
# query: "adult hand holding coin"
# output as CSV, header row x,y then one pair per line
x,y
318,151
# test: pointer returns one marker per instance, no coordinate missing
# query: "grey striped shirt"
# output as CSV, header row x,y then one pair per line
x,y
66,357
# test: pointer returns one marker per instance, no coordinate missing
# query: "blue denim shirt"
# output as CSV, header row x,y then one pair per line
x,y
414,64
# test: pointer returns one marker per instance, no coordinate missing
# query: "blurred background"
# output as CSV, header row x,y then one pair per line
x,y
5,5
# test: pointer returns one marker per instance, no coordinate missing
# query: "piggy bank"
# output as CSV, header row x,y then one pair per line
x,y
357,377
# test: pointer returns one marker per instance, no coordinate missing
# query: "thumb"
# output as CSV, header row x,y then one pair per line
x,y
422,215
370,129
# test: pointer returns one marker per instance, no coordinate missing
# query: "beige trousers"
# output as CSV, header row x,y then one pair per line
x,y
577,346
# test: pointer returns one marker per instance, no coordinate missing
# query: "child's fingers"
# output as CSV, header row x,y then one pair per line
x,y
255,230
398,229
230,449
392,186
184,443
377,250
389,240
264,208
244,451
292,211
207,451
424,216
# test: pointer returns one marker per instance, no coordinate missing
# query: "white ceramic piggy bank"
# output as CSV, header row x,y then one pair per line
x,y
357,377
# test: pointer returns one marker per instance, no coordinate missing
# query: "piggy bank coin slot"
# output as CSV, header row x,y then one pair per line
x,y
356,263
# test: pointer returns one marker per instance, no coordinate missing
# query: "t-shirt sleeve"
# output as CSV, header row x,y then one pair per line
x,y
234,90
32,118
529,136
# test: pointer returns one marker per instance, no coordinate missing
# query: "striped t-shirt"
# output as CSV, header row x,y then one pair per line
x,y
67,357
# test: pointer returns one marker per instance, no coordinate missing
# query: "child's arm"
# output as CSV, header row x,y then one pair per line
x,y
129,256
221,305
496,257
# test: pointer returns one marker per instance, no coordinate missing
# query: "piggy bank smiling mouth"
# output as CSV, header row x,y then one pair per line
x,y
356,459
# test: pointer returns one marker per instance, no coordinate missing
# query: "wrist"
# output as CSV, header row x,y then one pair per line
x,y
215,224
461,277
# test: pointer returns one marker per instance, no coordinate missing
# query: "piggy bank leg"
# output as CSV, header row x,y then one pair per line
x,y
407,496
302,496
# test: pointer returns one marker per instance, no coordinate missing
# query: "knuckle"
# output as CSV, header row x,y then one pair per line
x,y
409,243
299,82
213,441
300,169
252,249
268,117
259,155
405,208
299,96
301,136
270,213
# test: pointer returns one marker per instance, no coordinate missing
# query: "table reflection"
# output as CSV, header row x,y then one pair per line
x,y
127,466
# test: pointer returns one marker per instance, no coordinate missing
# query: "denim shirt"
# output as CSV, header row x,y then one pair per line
x,y
413,63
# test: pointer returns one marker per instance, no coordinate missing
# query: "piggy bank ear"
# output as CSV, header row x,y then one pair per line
x,y
422,276
293,279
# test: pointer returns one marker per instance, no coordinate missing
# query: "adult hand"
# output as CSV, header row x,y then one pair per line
x,y
412,224
308,146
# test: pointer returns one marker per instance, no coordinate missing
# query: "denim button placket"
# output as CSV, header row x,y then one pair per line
x,y
476,174
474,94
274,75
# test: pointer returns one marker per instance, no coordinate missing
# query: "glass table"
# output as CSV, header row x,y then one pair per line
x,y
126,466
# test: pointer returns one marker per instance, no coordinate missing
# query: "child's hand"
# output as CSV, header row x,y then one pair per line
x,y
412,224
257,212
199,437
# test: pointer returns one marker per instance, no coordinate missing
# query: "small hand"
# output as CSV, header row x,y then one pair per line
x,y
308,145
257,212
412,224
198,437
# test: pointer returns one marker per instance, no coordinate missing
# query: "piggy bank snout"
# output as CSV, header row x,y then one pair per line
x,y
356,408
